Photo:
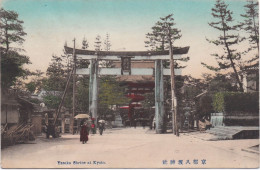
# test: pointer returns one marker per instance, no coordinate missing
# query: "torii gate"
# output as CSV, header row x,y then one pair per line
x,y
126,57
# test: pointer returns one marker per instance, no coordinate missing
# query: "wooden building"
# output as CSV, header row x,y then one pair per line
x,y
15,110
16,120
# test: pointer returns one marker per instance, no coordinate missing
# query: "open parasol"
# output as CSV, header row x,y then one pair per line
x,y
101,121
82,116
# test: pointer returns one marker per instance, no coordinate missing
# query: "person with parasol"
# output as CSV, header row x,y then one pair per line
x,y
84,132
84,129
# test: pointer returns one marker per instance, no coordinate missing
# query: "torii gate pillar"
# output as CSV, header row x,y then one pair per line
x,y
159,96
93,88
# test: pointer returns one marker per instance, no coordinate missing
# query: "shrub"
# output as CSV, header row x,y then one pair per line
x,y
236,102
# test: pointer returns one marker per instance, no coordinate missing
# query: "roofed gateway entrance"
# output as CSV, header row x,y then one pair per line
x,y
126,70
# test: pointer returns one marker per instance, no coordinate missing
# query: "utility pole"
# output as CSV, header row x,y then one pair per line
x,y
74,88
62,98
174,99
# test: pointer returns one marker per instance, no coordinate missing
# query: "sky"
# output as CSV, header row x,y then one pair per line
x,y
51,23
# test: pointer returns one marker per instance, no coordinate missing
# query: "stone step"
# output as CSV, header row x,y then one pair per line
x,y
224,130
220,133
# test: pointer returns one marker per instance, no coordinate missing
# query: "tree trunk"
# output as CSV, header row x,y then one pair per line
x,y
230,57
6,38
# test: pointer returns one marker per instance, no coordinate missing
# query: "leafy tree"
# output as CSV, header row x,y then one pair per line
x,y
55,83
156,40
82,94
11,68
84,44
220,83
98,43
192,87
107,43
36,82
110,93
204,107
11,29
31,86
56,75
163,34
227,39
251,26
214,83
52,101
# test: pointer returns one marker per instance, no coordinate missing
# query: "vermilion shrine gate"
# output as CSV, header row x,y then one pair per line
x,y
126,57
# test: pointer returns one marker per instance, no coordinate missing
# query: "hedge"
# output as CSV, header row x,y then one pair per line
x,y
236,102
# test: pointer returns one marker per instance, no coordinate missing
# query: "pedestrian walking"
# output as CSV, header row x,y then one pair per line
x,y
135,123
93,128
151,123
143,123
101,128
84,133
50,130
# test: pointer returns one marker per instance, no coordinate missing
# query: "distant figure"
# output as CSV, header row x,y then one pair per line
x,y
93,128
50,130
101,128
143,123
84,133
135,121
208,124
151,123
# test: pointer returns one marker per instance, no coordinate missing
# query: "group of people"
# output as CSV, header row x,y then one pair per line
x,y
84,130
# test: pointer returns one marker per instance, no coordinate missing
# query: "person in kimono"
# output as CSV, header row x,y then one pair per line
x,y
84,132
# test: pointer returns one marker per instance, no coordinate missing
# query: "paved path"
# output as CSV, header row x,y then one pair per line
x,y
131,148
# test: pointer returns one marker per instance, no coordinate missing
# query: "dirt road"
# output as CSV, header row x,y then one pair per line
x,y
131,148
